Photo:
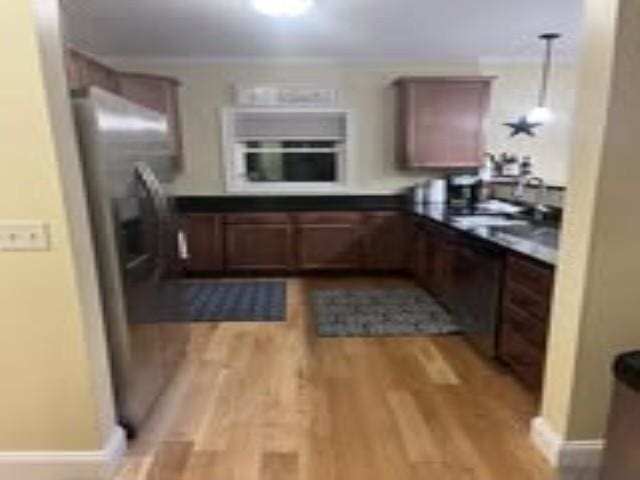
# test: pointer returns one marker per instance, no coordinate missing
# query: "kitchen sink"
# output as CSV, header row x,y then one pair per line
x,y
546,236
472,221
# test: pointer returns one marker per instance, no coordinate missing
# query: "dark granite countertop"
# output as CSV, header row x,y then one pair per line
x,y
291,203
535,240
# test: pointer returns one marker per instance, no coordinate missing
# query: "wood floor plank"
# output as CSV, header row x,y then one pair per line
x,y
170,461
438,370
274,401
419,440
208,465
442,471
279,466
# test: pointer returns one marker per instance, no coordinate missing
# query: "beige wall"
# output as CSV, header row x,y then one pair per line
x,y
55,389
515,90
365,89
595,315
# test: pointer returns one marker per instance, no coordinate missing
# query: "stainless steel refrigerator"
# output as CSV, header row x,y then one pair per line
x,y
126,154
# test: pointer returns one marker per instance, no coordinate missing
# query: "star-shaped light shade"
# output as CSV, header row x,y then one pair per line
x,y
523,126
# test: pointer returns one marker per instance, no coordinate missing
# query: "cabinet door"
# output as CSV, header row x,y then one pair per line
x,y
83,71
440,265
205,242
415,240
526,300
441,121
526,361
385,241
76,66
160,94
146,90
441,277
259,247
102,76
330,247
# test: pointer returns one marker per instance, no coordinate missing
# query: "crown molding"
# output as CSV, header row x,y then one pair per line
x,y
174,60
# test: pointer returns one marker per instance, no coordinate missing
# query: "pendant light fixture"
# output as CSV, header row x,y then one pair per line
x,y
541,114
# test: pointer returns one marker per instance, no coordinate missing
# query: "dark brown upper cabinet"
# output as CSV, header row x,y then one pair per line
x,y
440,121
155,92
83,71
158,93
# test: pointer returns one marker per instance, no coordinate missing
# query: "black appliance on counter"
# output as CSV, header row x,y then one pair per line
x,y
464,190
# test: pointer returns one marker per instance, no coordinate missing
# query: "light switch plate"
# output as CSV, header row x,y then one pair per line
x,y
24,235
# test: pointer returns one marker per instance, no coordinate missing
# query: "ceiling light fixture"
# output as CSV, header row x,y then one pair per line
x,y
541,114
283,8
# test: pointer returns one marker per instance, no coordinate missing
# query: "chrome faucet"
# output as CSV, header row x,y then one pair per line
x,y
540,208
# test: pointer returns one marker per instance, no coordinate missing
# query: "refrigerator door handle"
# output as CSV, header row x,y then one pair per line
x,y
152,185
183,246
160,210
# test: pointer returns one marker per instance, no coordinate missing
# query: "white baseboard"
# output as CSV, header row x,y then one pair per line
x,y
567,456
65,465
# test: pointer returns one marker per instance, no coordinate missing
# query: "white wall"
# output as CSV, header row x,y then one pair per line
x,y
365,88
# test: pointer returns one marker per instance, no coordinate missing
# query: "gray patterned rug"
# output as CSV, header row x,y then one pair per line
x,y
211,301
379,313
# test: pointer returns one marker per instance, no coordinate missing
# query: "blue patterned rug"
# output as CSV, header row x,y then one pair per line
x,y
211,301
379,313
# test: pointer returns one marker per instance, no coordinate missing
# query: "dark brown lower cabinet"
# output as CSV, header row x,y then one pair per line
x,y
525,315
313,241
439,263
417,252
332,241
204,234
385,241
259,243
283,242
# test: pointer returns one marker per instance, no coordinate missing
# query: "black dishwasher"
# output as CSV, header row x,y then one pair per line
x,y
478,273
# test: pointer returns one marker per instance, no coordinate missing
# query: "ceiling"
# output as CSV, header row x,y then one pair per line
x,y
346,30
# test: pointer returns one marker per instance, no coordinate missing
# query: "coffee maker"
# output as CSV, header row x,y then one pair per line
x,y
464,190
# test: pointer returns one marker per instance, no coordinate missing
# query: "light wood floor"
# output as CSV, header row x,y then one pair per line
x,y
274,402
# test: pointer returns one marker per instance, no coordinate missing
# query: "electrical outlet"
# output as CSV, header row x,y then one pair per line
x,y
18,235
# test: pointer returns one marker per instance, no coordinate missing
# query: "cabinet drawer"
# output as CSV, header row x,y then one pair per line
x,y
529,329
530,276
526,361
527,302
331,218
257,219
